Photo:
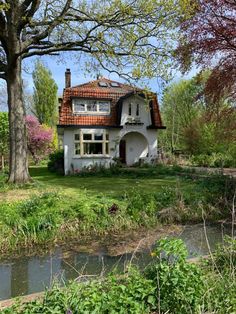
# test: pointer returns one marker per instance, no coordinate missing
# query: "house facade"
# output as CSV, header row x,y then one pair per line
x,y
102,121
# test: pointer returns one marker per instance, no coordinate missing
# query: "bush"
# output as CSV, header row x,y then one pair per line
x,y
127,294
179,284
218,191
220,279
56,162
215,160
225,255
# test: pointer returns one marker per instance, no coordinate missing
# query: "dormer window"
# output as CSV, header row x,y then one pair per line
x,y
114,84
102,84
88,106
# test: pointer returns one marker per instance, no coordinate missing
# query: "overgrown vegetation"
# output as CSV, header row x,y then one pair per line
x,y
197,126
170,284
72,212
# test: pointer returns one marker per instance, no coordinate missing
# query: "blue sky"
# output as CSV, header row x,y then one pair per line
x,y
58,67
79,76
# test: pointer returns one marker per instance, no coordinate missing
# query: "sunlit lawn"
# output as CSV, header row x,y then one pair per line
x,y
116,185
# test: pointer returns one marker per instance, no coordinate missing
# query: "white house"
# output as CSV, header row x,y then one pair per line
x,y
103,120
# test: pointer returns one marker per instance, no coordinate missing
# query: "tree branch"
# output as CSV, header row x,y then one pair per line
x,y
57,20
28,14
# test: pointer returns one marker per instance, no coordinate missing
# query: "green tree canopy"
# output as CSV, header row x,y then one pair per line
x,y
194,123
45,95
182,105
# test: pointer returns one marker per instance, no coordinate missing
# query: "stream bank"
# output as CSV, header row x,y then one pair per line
x,y
30,274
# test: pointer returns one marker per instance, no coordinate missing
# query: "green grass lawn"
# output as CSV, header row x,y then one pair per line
x,y
116,185
55,208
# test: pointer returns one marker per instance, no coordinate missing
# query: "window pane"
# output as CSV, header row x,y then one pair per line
x,y
104,106
78,107
77,149
98,137
91,107
107,137
130,110
137,110
77,137
87,137
107,148
93,148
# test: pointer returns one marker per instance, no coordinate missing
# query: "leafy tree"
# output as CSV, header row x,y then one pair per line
x,y
196,125
4,136
114,33
45,95
40,139
182,104
209,39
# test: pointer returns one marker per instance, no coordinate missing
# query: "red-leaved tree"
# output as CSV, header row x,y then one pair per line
x,y
40,139
209,39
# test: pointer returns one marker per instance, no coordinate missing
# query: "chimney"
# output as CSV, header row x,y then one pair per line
x,y
67,78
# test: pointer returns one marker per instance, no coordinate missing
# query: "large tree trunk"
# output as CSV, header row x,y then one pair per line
x,y
18,134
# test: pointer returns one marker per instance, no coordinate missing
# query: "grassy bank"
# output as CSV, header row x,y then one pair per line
x,y
169,284
55,209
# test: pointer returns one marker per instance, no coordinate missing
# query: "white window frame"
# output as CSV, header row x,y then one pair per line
x,y
81,141
87,102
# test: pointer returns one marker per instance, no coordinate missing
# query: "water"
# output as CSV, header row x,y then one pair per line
x,y
26,275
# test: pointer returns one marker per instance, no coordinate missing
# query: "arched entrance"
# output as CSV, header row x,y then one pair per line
x,y
133,146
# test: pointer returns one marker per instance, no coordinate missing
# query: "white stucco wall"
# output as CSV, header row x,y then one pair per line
x,y
140,141
144,112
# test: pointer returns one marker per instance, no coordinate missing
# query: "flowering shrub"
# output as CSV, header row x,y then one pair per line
x,y
40,139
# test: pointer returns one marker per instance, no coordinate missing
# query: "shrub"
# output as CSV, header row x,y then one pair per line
x,y
56,162
218,191
220,279
225,255
179,284
127,294
217,160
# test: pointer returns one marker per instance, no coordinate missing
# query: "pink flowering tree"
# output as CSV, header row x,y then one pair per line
x,y
40,139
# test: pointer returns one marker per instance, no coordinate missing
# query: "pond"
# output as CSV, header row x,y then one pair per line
x,y
26,275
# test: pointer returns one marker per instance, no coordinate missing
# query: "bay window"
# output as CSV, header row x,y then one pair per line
x,y
88,143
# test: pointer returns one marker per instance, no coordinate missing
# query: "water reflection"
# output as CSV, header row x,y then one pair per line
x,y
27,275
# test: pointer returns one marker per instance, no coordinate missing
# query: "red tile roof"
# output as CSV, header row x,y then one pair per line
x,y
94,91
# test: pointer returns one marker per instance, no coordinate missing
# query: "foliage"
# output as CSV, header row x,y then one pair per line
x,y
181,106
40,139
179,284
220,279
219,295
130,293
225,254
196,126
56,162
4,133
45,95
208,38
217,160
